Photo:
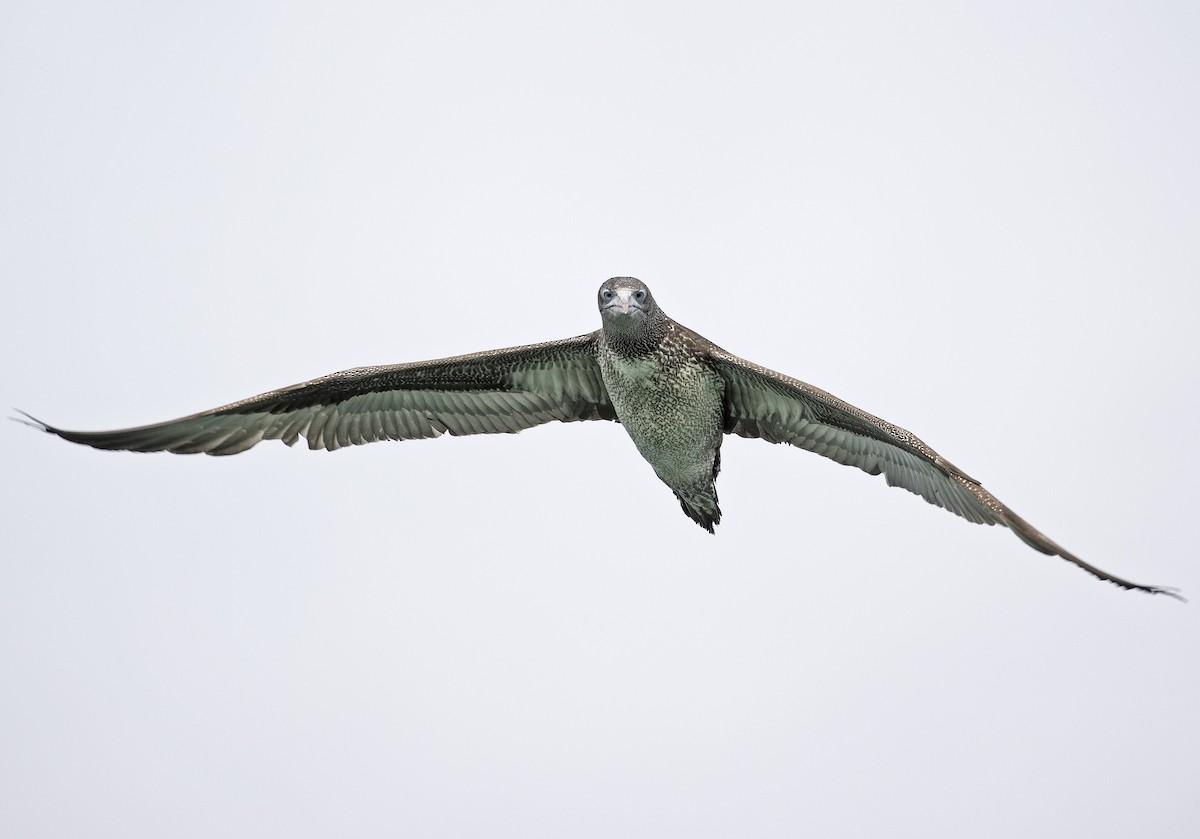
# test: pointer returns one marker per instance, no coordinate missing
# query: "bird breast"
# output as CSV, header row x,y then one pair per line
x,y
670,405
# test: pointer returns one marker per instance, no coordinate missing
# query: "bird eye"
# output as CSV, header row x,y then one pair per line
x,y
606,294
639,295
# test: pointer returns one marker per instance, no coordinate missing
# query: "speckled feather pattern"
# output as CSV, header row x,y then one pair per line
x,y
495,391
670,402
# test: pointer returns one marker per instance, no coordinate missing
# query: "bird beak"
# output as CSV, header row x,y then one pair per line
x,y
625,302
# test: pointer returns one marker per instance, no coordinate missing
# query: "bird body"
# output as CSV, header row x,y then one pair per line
x,y
675,392
670,401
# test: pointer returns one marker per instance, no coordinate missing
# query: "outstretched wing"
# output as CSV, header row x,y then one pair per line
x,y
497,391
779,409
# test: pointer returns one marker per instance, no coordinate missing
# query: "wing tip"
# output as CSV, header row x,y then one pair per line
x,y
1170,591
33,422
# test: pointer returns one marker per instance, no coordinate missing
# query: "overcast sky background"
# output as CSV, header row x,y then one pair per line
x,y
979,222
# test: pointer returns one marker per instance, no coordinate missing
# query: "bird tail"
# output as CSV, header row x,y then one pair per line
x,y
702,508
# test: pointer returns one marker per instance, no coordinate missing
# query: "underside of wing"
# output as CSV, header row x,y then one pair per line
x,y
497,391
779,409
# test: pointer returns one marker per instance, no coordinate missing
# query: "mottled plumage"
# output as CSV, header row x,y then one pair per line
x,y
666,392
675,392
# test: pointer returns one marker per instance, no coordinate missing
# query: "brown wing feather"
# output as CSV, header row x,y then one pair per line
x,y
496,391
779,409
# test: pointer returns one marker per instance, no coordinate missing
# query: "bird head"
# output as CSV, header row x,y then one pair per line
x,y
626,302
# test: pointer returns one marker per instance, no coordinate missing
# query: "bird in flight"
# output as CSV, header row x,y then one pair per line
x,y
675,392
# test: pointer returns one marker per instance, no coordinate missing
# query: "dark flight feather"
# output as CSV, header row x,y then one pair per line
x,y
498,391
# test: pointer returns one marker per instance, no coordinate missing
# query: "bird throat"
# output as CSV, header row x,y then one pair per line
x,y
631,338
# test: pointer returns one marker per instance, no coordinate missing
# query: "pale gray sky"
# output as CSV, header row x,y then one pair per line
x,y
979,222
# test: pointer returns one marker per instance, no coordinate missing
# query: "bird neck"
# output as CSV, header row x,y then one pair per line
x,y
627,338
